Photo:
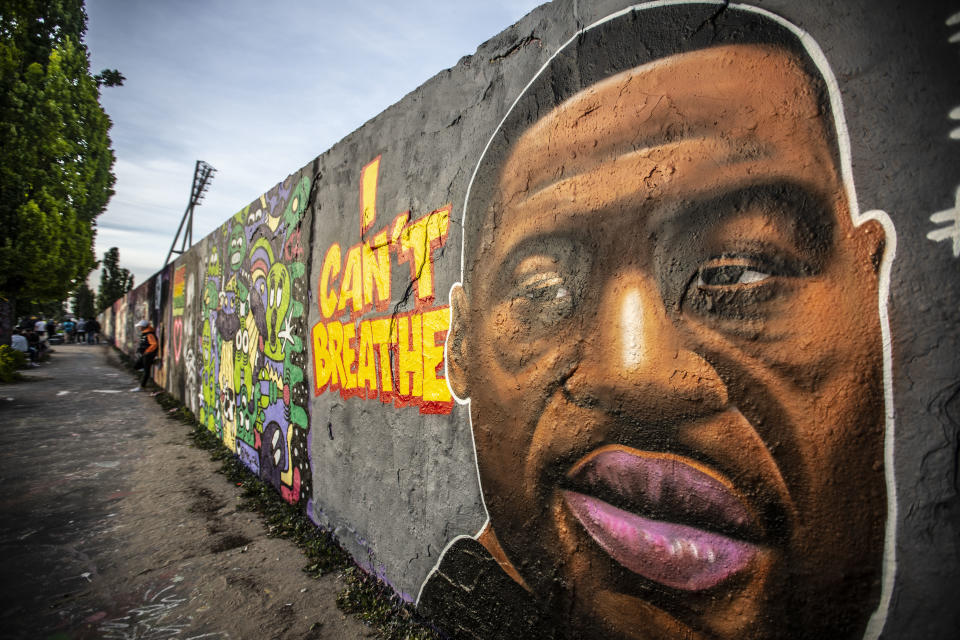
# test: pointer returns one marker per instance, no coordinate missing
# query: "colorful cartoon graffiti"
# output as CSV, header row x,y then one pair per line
x,y
245,363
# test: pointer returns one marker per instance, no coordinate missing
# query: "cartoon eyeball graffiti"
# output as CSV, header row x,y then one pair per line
x,y
238,247
242,341
278,302
298,201
213,262
211,296
248,412
228,300
227,404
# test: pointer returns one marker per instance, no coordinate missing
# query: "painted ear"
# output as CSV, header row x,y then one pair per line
x,y
457,343
872,243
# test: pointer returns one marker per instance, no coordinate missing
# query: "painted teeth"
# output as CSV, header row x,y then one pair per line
x,y
680,547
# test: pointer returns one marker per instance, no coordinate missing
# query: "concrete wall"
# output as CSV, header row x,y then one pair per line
x,y
648,330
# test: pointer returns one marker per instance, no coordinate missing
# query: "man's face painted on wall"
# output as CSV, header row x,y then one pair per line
x,y
673,356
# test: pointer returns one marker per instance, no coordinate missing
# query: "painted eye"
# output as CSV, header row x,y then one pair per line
x,y
543,298
246,341
732,272
739,290
545,287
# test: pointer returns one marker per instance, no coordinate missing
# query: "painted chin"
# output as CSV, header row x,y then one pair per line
x,y
663,517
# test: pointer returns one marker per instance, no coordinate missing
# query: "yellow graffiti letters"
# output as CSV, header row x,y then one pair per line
x,y
331,269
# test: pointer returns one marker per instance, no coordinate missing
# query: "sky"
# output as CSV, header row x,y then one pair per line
x,y
255,89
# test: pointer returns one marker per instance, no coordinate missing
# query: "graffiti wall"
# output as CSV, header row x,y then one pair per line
x,y
230,318
640,322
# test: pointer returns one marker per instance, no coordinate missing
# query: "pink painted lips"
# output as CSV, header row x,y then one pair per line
x,y
662,517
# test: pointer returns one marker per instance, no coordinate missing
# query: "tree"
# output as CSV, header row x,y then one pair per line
x,y
109,78
115,281
83,302
55,156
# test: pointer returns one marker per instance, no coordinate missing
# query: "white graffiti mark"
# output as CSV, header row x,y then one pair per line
x,y
952,229
190,365
287,333
155,618
950,218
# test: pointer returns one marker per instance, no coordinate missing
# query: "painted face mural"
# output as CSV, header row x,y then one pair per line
x,y
671,344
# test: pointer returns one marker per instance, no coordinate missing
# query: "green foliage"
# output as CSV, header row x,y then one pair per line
x,y
10,361
83,302
109,78
55,155
115,281
49,310
377,605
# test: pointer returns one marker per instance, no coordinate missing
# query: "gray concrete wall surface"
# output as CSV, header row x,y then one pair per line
x,y
641,321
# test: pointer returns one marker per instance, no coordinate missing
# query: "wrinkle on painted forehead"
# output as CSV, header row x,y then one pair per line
x,y
749,94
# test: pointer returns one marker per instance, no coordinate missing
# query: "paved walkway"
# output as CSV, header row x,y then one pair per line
x,y
112,526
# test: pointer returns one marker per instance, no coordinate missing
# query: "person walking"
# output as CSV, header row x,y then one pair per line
x,y
93,331
69,329
148,349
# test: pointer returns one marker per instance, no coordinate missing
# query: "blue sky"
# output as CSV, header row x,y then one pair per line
x,y
257,90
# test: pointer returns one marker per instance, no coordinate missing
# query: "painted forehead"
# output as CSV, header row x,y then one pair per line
x,y
752,103
743,100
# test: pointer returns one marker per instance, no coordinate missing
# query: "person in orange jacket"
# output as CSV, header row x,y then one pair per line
x,y
148,349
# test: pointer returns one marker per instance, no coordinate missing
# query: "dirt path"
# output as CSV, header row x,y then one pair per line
x,y
113,526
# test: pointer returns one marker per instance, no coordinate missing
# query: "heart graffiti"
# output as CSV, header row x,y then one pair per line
x,y
177,339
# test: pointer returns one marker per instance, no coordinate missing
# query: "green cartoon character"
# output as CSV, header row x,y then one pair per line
x,y
278,302
297,203
213,262
237,248
208,380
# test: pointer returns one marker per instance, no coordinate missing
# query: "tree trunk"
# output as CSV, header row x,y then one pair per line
x,y
7,319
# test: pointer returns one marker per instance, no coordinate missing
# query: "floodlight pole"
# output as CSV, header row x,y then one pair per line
x,y
202,177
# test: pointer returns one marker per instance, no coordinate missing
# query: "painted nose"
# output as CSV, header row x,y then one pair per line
x,y
638,364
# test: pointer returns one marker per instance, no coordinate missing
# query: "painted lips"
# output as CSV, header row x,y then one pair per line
x,y
661,517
